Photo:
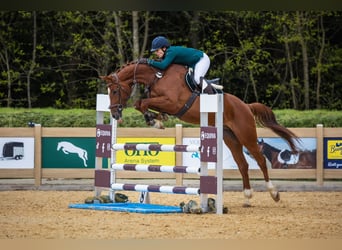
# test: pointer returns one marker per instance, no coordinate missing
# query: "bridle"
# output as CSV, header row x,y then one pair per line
x,y
120,106
117,91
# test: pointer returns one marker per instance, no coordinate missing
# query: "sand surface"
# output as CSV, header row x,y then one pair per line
x,y
45,215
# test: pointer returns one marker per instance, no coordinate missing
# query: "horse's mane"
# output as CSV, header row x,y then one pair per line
x,y
125,65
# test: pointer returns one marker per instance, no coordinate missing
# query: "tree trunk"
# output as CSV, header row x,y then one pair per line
x,y
33,62
194,29
319,63
135,38
146,30
289,63
119,40
303,45
5,59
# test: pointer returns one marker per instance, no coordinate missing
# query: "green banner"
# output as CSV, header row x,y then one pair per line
x,y
70,152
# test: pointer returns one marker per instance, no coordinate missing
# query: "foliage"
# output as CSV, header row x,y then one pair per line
x,y
284,59
48,117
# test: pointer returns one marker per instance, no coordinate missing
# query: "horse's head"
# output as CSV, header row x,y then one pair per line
x,y
118,93
120,85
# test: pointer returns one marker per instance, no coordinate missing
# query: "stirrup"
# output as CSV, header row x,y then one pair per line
x,y
213,80
216,86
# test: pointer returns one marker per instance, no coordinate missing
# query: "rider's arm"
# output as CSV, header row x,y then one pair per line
x,y
170,55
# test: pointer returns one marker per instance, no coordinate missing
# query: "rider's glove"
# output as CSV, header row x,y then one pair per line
x,y
143,60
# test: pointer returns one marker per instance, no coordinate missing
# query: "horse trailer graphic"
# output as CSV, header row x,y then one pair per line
x,y
13,150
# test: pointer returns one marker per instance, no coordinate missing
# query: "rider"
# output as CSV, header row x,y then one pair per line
x,y
196,59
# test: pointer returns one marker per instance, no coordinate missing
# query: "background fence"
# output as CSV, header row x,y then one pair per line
x,y
38,133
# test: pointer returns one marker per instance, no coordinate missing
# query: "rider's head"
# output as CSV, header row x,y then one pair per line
x,y
159,45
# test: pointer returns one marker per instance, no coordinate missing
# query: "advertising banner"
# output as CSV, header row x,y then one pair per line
x,y
332,153
16,152
279,156
194,159
146,157
70,152
275,151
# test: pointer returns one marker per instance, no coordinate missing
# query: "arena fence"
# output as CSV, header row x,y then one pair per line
x,y
38,133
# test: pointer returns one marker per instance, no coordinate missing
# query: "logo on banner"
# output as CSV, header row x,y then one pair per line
x,y
208,136
146,156
334,149
103,140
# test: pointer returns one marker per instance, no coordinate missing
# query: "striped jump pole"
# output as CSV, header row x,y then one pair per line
x,y
156,168
155,188
156,147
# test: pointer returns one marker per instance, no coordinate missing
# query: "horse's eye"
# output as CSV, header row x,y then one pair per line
x,y
113,91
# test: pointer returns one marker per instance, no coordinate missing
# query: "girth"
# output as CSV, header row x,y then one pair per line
x,y
188,104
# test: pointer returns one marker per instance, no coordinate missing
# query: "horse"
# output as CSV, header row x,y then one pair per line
x,y
168,94
68,147
284,158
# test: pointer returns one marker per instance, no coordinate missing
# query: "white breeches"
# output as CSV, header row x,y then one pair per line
x,y
201,68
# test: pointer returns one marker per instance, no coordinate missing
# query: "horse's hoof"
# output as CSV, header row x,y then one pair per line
x,y
158,124
165,117
276,197
246,205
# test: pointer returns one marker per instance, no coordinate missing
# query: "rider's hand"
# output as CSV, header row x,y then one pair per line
x,y
143,60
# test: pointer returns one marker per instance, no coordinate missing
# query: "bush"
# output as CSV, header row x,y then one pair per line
x,y
10,117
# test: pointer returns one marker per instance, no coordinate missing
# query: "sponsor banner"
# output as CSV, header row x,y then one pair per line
x,y
16,152
146,157
275,151
194,160
279,156
69,152
332,153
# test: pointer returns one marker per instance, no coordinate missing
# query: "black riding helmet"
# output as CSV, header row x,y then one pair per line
x,y
159,42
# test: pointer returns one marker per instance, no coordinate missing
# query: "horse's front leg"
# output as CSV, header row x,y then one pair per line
x,y
152,119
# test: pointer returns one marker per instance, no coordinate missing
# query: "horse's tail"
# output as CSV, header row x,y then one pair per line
x,y
265,117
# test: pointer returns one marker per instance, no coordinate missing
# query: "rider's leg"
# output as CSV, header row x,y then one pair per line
x,y
201,69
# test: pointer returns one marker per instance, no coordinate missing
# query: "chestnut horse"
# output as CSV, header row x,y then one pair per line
x,y
169,94
284,159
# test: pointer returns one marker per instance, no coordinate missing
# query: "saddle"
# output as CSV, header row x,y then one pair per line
x,y
212,88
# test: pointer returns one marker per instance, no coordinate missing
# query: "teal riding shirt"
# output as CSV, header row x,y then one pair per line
x,y
179,55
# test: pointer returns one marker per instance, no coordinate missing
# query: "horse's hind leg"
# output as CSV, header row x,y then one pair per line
x,y
236,149
260,159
